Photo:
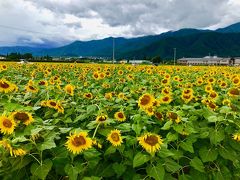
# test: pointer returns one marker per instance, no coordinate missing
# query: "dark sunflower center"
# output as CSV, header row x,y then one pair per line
x,y
186,96
4,85
102,118
115,137
187,91
41,83
213,95
7,123
88,95
21,116
53,104
166,98
164,81
173,115
236,81
96,75
145,100
78,141
120,115
234,92
151,140
159,115
212,105
31,87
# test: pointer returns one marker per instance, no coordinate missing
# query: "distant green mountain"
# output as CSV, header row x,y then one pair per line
x,y
188,42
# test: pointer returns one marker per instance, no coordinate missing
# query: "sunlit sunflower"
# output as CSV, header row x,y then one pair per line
x,y
226,102
78,142
208,88
60,108
18,152
108,95
174,117
236,137
236,81
187,97
88,95
150,142
31,88
146,101
211,105
7,125
6,86
223,84
120,116
167,91
213,95
233,92
165,99
149,111
96,75
42,83
21,116
114,137
69,89
101,118
51,104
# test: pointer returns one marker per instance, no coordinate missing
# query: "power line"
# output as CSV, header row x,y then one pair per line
x,y
24,30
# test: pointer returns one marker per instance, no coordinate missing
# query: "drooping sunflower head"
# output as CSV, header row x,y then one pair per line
x,y
78,142
159,115
101,118
233,92
114,137
236,137
69,89
21,116
146,101
150,142
174,117
120,116
7,125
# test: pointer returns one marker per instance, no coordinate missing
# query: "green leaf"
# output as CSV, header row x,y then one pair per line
x,y
110,150
137,128
71,171
187,146
48,144
91,109
119,169
216,136
139,159
208,155
171,137
156,172
171,166
167,125
197,164
41,171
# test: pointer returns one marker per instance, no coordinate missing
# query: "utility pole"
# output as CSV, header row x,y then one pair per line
x,y
174,55
113,53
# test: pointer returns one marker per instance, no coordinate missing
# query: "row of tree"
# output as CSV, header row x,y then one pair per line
x,y
26,56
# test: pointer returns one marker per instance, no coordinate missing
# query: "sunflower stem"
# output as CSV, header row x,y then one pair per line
x,y
95,131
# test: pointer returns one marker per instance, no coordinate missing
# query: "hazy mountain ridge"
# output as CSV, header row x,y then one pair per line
x,y
189,43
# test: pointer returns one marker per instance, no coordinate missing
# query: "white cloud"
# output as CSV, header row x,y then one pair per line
x,y
57,22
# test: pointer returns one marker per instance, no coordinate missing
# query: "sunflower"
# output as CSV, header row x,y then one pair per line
x,y
88,95
108,95
31,88
208,88
211,105
159,115
6,86
42,83
51,104
213,95
18,152
150,142
146,101
114,137
166,91
97,144
166,99
96,75
233,92
101,118
120,116
149,111
236,81
187,97
226,102
174,117
21,116
7,125
69,89
78,142
236,137
223,84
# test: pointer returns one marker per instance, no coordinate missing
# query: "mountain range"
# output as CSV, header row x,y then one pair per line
x,y
224,42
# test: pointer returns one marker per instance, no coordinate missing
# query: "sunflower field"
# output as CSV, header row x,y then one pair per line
x,y
100,121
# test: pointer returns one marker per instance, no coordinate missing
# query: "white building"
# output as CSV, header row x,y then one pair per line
x,y
208,60
2,58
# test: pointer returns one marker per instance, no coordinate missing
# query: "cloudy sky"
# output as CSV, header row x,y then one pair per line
x,y
58,22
